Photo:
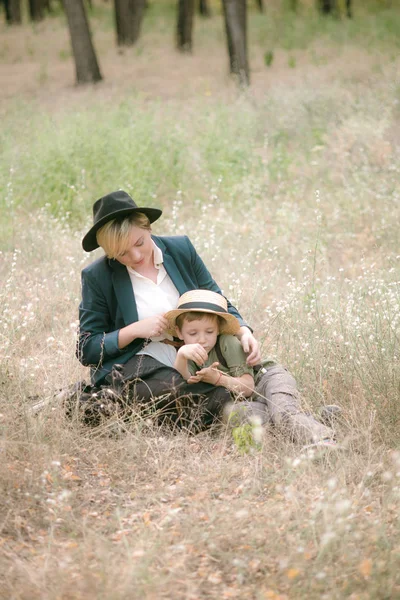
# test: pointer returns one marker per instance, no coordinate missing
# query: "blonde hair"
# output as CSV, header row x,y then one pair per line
x,y
114,236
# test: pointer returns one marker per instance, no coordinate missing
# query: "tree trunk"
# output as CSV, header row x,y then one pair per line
x,y
327,6
128,20
204,8
185,25
36,10
13,11
86,65
235,13
138,8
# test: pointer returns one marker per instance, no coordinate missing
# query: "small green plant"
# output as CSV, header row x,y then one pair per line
x,y
244,438
268,58
292,62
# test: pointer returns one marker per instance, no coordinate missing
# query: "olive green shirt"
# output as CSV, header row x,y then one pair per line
x,y
232,351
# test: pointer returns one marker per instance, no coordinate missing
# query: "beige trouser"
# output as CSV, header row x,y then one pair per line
x,y
276,400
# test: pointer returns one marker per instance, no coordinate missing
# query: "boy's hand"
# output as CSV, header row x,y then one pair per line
x,y
208,375
193,352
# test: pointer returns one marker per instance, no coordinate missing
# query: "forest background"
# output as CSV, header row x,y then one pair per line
x,y
289,191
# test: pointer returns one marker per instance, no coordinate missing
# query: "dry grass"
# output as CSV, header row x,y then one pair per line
x,y
290,195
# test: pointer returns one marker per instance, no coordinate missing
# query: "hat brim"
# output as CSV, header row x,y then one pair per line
x,y
90,243
231,326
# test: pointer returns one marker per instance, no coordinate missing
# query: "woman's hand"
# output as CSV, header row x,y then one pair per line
x,y
193,352
208,375
145,328
151,327
250,346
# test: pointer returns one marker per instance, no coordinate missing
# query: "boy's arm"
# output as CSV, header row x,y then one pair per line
x,y
187,352
243,385
181,365
239,379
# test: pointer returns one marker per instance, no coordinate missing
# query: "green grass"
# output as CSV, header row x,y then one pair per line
x,y
369,28
65,160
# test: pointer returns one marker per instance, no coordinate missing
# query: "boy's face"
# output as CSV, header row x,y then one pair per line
x,y
200,331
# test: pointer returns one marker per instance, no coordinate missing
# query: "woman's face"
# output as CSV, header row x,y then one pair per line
x,y
139,253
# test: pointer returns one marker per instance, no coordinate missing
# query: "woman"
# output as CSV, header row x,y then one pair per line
x,y
125,295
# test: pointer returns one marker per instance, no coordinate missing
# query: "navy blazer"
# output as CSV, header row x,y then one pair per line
x,y
108,302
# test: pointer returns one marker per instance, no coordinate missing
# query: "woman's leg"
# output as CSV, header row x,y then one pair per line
x,y
152,383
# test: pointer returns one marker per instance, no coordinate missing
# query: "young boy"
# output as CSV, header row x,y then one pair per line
x,y
211,353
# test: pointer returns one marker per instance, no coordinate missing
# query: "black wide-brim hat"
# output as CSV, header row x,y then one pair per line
x,y
117,205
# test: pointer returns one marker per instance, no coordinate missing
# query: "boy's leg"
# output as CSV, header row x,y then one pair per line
x,y
246,411
276,388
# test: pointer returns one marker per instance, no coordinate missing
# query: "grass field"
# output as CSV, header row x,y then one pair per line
x,y
290,193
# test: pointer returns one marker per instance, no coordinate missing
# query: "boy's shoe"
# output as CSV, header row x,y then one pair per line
x,y
329,414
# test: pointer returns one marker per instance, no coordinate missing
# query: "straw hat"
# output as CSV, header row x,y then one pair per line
x,y
207,302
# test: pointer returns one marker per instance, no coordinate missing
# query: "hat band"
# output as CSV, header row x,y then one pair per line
x,y
200,305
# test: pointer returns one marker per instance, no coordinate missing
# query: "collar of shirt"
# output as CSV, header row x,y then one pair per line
x,y
157,256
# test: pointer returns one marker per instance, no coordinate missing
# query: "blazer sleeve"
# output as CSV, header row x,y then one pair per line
x,y
96,343
206,281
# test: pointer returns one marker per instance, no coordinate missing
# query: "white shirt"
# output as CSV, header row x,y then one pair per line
x,y
154,299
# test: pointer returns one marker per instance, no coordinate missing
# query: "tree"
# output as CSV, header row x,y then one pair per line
x,y
86,65
235,13
326,6
204,8
36,10
128,20
13,11
185,25
333,7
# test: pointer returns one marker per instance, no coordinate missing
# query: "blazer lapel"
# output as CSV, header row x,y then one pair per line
x,y
170,267
124,292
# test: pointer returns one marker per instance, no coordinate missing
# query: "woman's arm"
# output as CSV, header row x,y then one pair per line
x,y
97,341
250,346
